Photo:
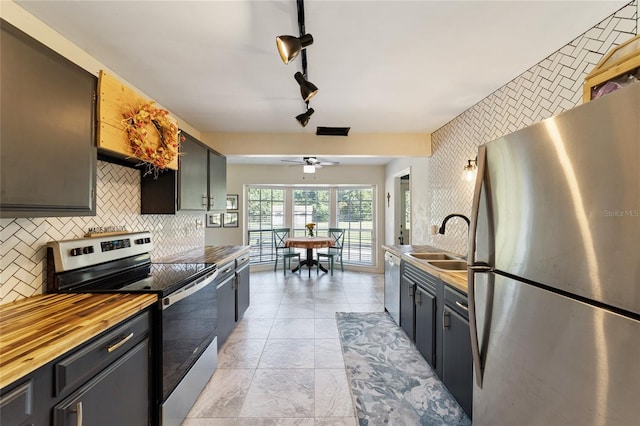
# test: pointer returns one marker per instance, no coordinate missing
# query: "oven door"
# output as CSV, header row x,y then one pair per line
x,y
189,325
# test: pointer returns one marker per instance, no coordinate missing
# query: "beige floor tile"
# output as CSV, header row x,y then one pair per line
x,y
280,393
252,328
328,310
299,310
237,354
288,353
326,328
335,421
284,328
276,422
224,394
328,354
332,393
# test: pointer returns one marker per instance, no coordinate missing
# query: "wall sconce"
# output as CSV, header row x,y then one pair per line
x,y
470,168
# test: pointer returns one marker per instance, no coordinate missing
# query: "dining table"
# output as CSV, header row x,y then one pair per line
x,y
309,243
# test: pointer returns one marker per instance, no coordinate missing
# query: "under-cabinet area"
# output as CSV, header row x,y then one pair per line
x,y
434,315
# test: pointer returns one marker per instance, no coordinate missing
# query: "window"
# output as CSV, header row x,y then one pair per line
x,y
355,215
265,211
310,205
351,208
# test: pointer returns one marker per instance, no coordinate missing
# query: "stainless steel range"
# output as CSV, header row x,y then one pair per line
x,y
186,315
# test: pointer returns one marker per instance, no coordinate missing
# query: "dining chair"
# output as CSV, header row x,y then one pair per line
x,y
279,237
334,251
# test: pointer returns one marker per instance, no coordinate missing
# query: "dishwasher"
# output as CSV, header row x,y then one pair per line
x,y
392,285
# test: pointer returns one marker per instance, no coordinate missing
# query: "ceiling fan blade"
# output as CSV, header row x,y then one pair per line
x,y
329,163
293,161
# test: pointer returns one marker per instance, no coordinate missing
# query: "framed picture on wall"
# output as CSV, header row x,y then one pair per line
x,y
214,220
232,201
231,220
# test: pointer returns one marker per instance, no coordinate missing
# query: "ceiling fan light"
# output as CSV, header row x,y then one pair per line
x,y
303,119
308,168
289,46
307,89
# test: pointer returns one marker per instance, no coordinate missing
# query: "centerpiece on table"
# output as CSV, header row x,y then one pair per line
x,y
310,227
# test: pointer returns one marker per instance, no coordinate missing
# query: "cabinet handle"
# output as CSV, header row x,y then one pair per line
x,y
212,201
78,412
226,270
418,298
204,200
445,320
463,306
124,340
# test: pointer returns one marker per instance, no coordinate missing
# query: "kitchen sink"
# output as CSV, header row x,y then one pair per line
x,y
449,265
433,256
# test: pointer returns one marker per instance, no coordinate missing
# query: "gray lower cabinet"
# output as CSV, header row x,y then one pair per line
x,y
436,319
102,401
425,328
457,360
106,381
48,155
226,294
243,286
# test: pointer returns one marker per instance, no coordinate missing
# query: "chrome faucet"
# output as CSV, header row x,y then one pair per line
x,y
446,219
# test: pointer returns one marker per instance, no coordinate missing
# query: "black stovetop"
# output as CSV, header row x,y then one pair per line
x,y
165,278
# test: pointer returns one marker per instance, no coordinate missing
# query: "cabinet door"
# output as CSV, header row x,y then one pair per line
x,y
217,182
242,291
426,324
226,309
119,395
407,307
192,175
457,361
47,109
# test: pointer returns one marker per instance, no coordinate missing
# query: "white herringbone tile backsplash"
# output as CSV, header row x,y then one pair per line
x,y
552,86
22,250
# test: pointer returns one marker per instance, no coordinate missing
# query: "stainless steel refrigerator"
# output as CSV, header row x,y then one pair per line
x,y
554,270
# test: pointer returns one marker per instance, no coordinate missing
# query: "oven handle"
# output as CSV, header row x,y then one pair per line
x,y
188,290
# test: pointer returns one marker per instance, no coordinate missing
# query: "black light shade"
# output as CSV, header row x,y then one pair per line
x,y
307,89
289,46
303,118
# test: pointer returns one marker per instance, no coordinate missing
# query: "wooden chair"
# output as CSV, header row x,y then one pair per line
x,y
334,251
279,235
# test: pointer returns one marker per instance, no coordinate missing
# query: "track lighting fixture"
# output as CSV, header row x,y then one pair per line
x,y
307,89
289,46
303,118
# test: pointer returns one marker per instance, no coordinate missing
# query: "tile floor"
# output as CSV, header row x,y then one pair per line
x,y
283,364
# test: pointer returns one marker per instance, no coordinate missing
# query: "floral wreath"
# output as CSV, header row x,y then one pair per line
x,y
157,156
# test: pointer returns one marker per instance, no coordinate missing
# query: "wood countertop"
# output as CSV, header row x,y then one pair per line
x,y
39,329
207,254
455,279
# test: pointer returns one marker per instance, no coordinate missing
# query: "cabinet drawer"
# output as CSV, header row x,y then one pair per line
x,y
242,260
456,301
421,277
225,271
16,406
83,364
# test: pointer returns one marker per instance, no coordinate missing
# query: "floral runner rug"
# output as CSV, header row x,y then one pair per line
x,y
391,383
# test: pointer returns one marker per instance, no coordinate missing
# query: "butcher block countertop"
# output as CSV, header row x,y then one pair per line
x,y
207,254
39,329
455,279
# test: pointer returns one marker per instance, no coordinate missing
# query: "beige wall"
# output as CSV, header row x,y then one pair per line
x,y
238,176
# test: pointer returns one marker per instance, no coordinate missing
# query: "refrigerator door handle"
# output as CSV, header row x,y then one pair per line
x,y
473,267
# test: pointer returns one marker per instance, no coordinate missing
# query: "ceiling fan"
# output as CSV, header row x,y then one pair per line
x,y
312,163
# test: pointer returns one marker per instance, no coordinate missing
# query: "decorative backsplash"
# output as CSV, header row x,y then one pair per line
x,y
552,86
23,241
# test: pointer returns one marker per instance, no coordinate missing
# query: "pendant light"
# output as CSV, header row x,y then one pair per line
x,y
289,46
307,89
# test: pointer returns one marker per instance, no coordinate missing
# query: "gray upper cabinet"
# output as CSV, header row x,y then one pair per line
x,y
194,187
192,175
217,182
47,137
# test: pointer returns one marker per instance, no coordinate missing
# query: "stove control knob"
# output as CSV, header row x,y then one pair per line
x,y
147,240
139,241
76,251
87,250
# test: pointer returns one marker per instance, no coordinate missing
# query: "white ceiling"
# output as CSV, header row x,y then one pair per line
x,y
381,66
